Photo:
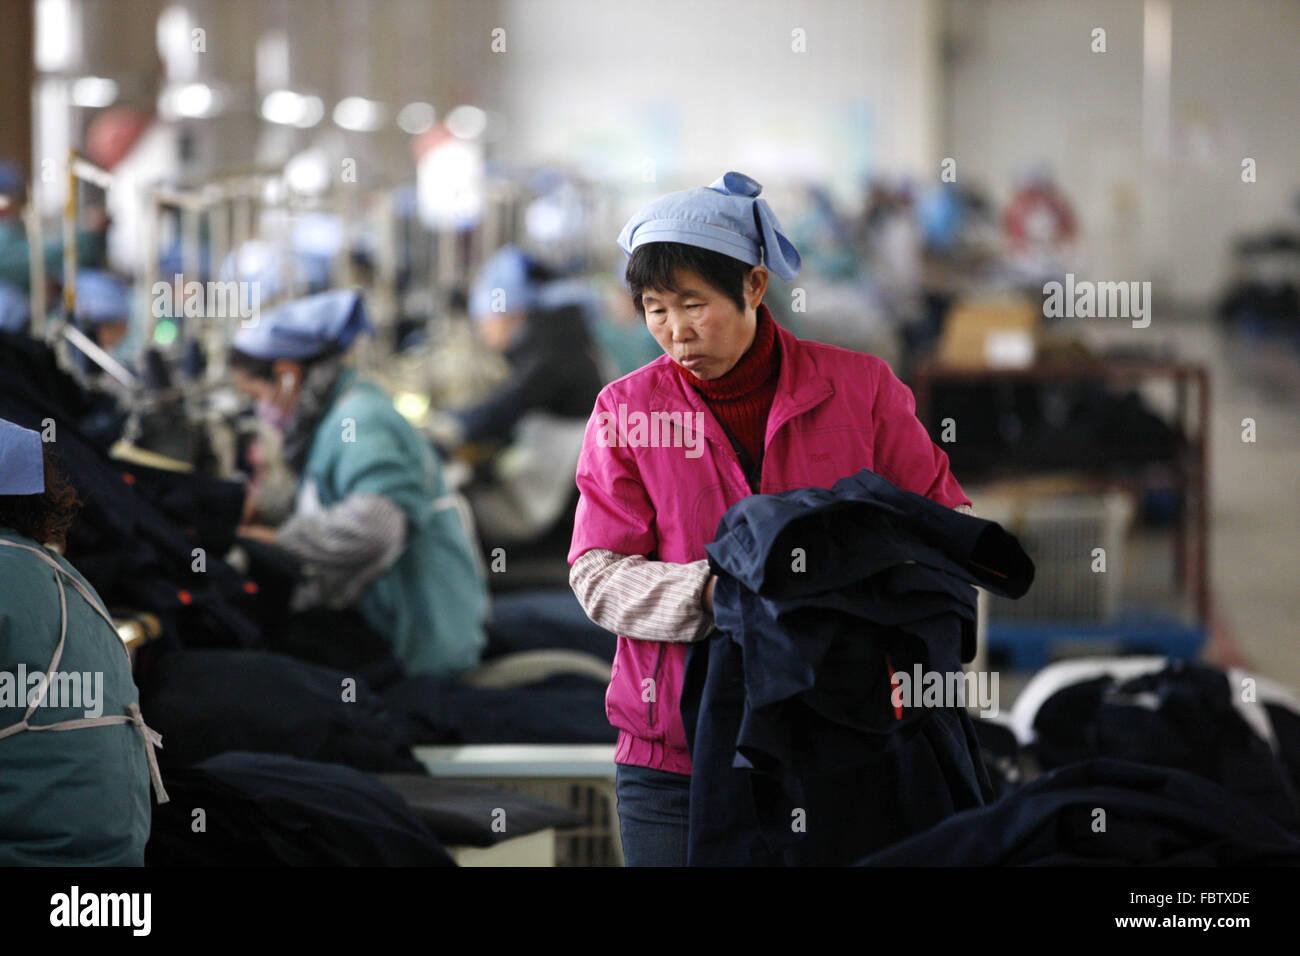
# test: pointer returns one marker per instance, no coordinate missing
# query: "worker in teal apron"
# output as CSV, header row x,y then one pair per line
x,y
373,526
76,758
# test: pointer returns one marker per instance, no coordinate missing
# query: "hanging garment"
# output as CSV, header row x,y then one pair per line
x,y
272,810
208,702
800,753
76,757
1104,813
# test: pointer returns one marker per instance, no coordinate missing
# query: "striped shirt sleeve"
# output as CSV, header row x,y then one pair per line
x,y
638,598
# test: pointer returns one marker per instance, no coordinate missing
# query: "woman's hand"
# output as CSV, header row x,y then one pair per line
x,y
708,593
257,532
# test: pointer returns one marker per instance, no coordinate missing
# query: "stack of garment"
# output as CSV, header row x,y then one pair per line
x,y
250,809
1149,761
1232,728
799,753
1104,813
136,535
207,702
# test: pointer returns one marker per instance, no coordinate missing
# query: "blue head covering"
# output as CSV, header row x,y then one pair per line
x,y
102,297
22,465
726,216
306,328
12,181
506,270
14,309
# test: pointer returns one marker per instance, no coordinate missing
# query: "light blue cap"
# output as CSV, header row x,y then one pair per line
x,y
726,216
12,180
502,285
22,463
306,328
564,292
102,297
14,308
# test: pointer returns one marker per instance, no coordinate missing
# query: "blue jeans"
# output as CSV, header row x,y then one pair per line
x,y
653,815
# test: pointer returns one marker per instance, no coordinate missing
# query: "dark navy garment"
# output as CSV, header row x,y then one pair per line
x,y
1153,816
1181,716
799,756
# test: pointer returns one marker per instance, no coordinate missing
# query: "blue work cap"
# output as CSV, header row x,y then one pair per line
x,y
306,328
564,292
502,285
726,216
14,308
22,462
102,297
12,180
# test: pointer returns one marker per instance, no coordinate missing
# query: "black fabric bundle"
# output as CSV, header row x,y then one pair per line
x,y
250,809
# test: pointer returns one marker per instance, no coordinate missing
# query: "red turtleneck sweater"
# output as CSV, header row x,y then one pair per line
x,y
742,398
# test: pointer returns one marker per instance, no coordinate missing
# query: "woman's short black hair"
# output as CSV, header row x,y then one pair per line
x,y
264,369
653,265
251,365
46,517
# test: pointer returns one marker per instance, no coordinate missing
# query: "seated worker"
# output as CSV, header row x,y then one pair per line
x,y
542,335
373,526
15,252
80,796
103,307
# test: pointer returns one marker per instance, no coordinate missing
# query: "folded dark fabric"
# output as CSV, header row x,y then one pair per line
x,y
1104,812
263,810
471,814
538,619
559,710
845,533
211,701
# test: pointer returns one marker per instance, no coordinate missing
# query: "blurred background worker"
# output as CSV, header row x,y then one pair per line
x,y
55,623
523,311
103,307
373,525
539,321
15,251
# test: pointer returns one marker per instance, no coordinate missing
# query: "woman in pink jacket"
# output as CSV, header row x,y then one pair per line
x,y
736,406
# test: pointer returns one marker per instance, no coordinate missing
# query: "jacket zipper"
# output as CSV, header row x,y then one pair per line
x,y
654,685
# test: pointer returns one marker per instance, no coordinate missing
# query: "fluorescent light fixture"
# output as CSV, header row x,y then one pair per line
x,y
174,36
467,122
308,172
359,114
189,100
93,92
292,109
416,118
58,35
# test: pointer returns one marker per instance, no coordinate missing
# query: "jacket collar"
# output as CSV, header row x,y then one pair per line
x,y
799,388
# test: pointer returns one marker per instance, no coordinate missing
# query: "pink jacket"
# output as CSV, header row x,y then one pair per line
x,y
650,486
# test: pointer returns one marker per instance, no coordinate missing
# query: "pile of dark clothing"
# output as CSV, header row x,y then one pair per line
x,y
1147,761
1046,427
800,753
1264,297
